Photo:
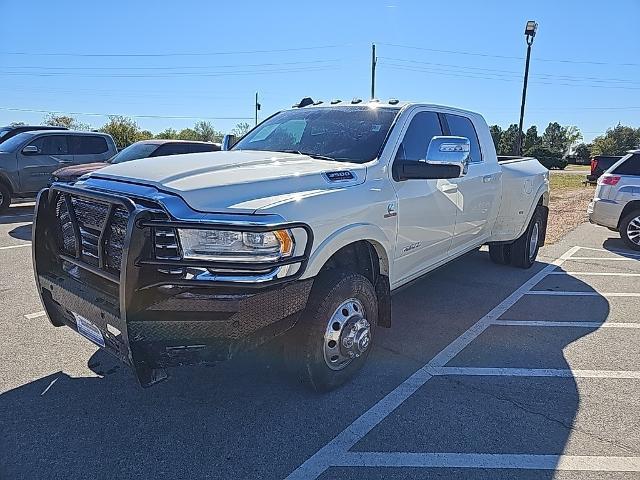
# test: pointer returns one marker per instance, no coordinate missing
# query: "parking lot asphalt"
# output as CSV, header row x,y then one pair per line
x,y
489,372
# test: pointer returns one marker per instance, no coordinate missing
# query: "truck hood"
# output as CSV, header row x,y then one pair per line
x,y
239,181
73,172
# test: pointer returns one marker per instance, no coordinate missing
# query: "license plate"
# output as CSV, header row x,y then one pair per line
x,y
89,330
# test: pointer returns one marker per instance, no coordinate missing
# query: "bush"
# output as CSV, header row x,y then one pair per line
x,y
550,159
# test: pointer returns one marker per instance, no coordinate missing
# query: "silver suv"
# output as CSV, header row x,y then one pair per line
x,y
616,203
28,159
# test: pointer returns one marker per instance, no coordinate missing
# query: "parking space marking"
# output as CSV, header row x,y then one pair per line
x,y
31,316
594,274
533,372
613,259
345,440
582,294
590,463
16,246
617,252
545,323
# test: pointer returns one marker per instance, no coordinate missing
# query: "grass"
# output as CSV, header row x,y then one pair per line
x,y
579,168
567,204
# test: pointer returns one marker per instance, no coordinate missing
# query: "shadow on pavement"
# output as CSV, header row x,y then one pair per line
x,y
17,214
246,419
23,232
618,246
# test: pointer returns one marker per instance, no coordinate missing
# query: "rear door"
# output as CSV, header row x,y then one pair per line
x,y
89,148
478,190
35,169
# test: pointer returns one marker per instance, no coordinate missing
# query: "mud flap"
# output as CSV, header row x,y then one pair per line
x,y
383,292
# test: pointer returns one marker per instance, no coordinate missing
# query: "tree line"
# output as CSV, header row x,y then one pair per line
x,y
558,142
126,131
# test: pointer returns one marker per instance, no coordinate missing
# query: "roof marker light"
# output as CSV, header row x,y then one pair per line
x,y
394,101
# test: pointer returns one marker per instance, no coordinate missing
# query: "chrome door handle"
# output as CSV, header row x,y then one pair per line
x,y
449,188
487,178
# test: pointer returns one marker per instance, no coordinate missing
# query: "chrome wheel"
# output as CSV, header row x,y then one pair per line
x,y
348,335
633,230
533,242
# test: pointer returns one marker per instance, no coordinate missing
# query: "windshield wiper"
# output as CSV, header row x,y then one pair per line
x,y
312,155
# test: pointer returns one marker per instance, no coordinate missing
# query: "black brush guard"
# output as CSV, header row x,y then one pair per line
x,y
151,319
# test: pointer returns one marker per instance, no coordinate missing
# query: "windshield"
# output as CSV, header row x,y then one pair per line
x,y
351,134
14,143
134,152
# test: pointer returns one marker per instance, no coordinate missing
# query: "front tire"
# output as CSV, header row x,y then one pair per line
x,y
630,229
334,335
525,249
5,198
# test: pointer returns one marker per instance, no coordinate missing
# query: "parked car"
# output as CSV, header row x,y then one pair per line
x,y
136,151
28,159
616,202
304,227
12,130
600,163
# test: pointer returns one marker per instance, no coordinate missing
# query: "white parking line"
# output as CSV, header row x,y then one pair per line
x,y
325,457
31,316
590,463
16,246
582,294
533,372
617,252
595,274
613,259
545,323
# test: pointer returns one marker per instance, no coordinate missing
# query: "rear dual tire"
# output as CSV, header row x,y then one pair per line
x,y
523,252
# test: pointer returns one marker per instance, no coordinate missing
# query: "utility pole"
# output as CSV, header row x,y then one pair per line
x,y
257,105
374,60
530,33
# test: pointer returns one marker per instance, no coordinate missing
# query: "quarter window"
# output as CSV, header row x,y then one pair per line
x,y
87,145
463,127
423,127
631,166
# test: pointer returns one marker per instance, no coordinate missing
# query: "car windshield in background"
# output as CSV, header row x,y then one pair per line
x,y
350,134
134,152
12,143
4,131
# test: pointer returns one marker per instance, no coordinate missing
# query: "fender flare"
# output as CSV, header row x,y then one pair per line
x,y
345,236
541,193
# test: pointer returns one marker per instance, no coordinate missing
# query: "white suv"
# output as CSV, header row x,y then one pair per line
x,y
616,203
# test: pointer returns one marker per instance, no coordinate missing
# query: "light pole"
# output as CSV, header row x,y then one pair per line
x,y
530,33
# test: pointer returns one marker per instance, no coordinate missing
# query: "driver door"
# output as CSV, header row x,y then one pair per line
x,y
36,167
426,208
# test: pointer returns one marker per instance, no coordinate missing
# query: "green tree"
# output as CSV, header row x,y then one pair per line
x,y
509,141
145,135
206,133
168,134
496,134
582,151
16,124
616,141
573,135
124,130
552,159
188,134
57,120
554,138
242,128
531,138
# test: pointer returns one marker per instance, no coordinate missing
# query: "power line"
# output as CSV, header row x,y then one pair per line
x,y
508,57
175,54
179,117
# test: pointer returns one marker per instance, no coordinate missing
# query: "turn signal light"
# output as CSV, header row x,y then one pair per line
x,y
610,180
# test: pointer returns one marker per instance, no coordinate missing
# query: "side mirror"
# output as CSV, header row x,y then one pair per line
x,y
449,151
447,157
228,141
30,150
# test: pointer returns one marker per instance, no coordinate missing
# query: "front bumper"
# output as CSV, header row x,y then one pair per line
x,y
147,315
605,212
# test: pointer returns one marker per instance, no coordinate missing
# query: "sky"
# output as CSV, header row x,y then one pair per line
x,y
170,64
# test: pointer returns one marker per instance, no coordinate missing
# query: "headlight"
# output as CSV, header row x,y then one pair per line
x,y
234,246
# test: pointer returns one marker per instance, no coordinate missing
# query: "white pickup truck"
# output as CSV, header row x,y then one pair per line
x,y
305,226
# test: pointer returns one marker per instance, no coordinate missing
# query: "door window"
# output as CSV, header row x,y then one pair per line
x,y
87,145
51,145
463,127
423,127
